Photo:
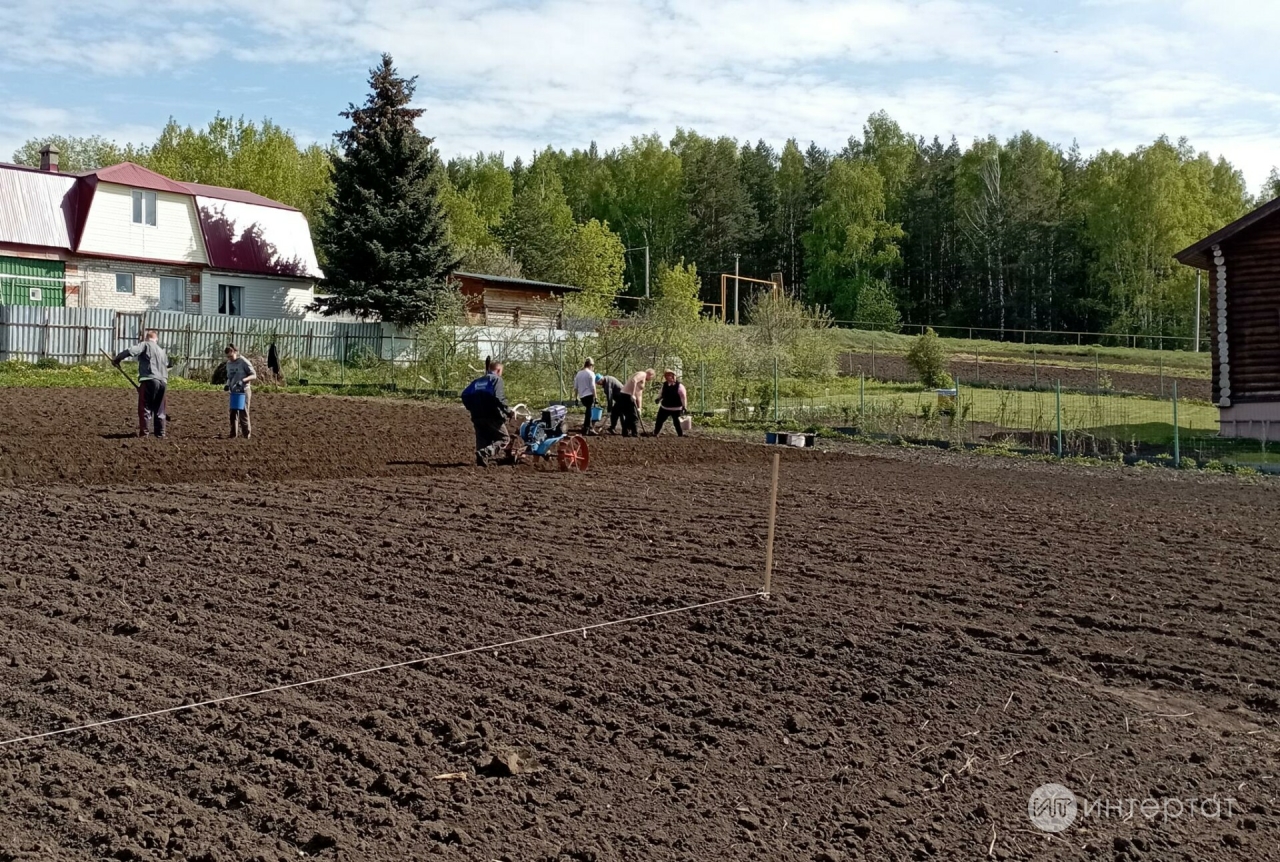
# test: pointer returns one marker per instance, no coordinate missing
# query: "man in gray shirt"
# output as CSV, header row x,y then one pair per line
x,y
153,380
240,374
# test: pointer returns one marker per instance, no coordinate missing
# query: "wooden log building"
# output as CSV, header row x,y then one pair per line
x,y
1243,262
496,300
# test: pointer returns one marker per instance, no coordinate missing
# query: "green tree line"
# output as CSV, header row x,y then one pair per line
x,y
1016,234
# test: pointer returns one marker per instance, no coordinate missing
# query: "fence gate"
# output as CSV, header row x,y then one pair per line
x,y
128,330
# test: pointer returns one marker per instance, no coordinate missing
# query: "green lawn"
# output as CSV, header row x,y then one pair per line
x,y
1182,362
1123,418
99,375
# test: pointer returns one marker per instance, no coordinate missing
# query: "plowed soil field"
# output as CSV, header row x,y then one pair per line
x,y
945,635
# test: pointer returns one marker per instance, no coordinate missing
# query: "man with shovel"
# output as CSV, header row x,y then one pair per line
x,y
153,380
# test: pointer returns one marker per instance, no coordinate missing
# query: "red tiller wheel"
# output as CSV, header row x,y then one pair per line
x,y
572,454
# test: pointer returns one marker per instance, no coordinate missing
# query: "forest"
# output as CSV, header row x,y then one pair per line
x,y
892,227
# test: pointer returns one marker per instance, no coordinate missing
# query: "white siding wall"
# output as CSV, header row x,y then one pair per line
x,y
263,298
99,287
110,229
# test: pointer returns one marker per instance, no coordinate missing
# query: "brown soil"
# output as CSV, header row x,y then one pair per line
x,y
1023,375
946,635
88,436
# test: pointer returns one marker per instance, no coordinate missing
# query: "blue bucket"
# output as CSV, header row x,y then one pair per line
x,y
596,413
237,400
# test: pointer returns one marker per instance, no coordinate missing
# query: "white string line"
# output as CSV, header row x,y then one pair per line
x,y
399,664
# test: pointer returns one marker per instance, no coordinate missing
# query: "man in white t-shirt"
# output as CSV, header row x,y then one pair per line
x,y
584,385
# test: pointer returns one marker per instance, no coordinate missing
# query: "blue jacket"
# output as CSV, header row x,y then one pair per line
x,y
484,394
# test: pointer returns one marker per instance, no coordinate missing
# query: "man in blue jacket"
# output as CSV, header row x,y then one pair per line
x,y
486,401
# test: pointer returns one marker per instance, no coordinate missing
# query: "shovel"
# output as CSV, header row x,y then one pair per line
x,y
125,374
118,368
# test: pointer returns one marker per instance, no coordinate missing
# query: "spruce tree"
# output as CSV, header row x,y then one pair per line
x,y
385,239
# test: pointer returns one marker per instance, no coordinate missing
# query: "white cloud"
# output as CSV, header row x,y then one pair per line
x,y
24,121
518,74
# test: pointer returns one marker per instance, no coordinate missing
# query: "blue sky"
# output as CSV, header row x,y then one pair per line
x,y
514,75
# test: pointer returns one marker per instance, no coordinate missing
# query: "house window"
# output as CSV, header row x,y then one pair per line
x,y
144,208
124,282
173,294
230,298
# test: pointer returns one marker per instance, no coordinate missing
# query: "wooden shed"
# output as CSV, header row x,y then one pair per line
x,y
1243,262
497,300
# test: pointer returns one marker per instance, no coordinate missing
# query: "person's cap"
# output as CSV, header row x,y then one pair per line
x,y
599,378
590,363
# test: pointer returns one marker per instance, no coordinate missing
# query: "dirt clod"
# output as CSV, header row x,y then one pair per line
x,y
508,762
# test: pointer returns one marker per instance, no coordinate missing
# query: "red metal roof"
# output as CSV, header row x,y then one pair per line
x,y
243,232
236,195
257,238
129,174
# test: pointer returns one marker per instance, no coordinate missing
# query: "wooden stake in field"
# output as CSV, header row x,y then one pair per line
x,y
773,517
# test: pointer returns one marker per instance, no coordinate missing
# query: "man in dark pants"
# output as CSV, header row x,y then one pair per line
x,y
486,401
630,402
153,380
611,386
240,373
673,402
584,386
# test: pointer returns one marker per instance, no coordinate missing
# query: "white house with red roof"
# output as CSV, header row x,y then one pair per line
x,y
130,239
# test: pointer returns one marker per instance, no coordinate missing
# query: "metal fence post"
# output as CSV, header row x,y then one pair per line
x,y
862,398
1177,443
560,369
702,386
1035,370
1058,412
343,358
1161,361
1097,373
392,357
775,389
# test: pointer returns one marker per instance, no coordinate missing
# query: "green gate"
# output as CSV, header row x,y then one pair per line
x,y
33,284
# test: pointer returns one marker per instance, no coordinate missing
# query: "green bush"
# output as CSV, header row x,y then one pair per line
x,y
929,360
362,356
48,362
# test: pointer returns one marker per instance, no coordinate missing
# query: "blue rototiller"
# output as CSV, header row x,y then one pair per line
x,y
543,440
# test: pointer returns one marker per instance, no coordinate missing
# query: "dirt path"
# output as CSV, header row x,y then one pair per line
x,y
945,637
